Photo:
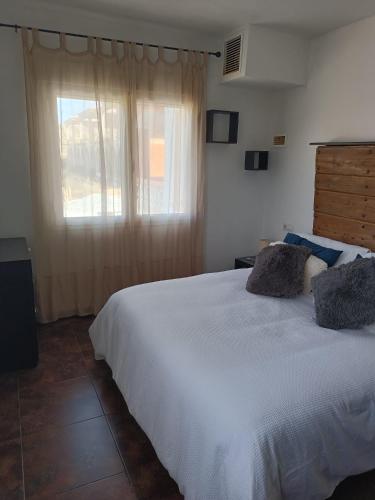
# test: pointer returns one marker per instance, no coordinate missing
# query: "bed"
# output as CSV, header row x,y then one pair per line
x,y
242,396
247,398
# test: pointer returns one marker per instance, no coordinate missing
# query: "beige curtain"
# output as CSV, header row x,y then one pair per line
x,y
116,156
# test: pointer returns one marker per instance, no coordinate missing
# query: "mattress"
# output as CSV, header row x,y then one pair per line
x,y
243,397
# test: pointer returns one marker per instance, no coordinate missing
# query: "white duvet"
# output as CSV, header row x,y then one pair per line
x,y
243,397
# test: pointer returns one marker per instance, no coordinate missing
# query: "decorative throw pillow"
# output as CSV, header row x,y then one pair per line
x,y
313,266
349,252
329,255
345,295
292,239
279,271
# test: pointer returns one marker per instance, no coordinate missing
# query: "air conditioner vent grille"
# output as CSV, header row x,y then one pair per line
x,y
232,55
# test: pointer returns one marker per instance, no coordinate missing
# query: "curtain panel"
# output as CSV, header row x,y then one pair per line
x,y
117,169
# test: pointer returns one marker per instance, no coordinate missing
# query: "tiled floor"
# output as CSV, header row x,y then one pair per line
x,y
66,433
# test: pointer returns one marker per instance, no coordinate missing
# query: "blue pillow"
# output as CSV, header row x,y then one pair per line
x,y
329,255
292,239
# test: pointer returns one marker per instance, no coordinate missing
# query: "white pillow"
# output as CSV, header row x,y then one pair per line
x,y
349,252
369,255
313,266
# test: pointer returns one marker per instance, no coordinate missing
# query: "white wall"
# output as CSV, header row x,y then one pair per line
x,y
234,197
15,202
275,58
338,103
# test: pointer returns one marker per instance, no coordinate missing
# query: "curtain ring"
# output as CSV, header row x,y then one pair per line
x,y
132,47
62,41
114,48
35,36
161,53
126,50
25,37
99,46
190,57
90,44
146,52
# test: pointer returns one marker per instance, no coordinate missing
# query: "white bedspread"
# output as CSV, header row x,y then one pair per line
x,y
242,396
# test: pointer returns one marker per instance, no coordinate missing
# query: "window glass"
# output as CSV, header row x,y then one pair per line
x,y
164,132
92,157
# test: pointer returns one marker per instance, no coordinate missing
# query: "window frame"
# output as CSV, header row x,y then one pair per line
x,y
129,203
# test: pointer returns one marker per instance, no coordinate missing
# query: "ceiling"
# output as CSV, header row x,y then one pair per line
x,y
306,17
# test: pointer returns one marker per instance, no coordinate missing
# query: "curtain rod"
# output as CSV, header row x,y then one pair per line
x,y
80,35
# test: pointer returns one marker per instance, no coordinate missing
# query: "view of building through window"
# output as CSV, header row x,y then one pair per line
x,y
93,158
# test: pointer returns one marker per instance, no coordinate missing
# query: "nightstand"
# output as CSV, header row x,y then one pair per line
x,y
241,262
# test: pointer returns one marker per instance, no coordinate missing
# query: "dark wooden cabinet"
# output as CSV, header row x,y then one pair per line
x,y
18,339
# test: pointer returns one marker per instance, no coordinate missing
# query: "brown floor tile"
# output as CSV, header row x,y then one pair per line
x,y
134,445
58,404
150,479
53,367
112,488
85,344
9,414
96,368
71,326
152,482
58,341
80,324
11,482
109,395
173,496
57,460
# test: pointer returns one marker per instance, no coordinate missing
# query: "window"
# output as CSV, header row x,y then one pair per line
x,y
94,162
92,157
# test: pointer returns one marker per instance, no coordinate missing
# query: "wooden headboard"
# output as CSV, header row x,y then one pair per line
x,y
344,206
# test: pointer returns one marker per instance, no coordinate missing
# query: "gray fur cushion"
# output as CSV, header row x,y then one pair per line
x,y
345,295
279,271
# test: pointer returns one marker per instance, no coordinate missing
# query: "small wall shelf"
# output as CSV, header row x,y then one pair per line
x,y
222,126
256,160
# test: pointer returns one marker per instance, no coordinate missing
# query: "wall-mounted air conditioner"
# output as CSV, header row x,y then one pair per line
x,y
263,56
